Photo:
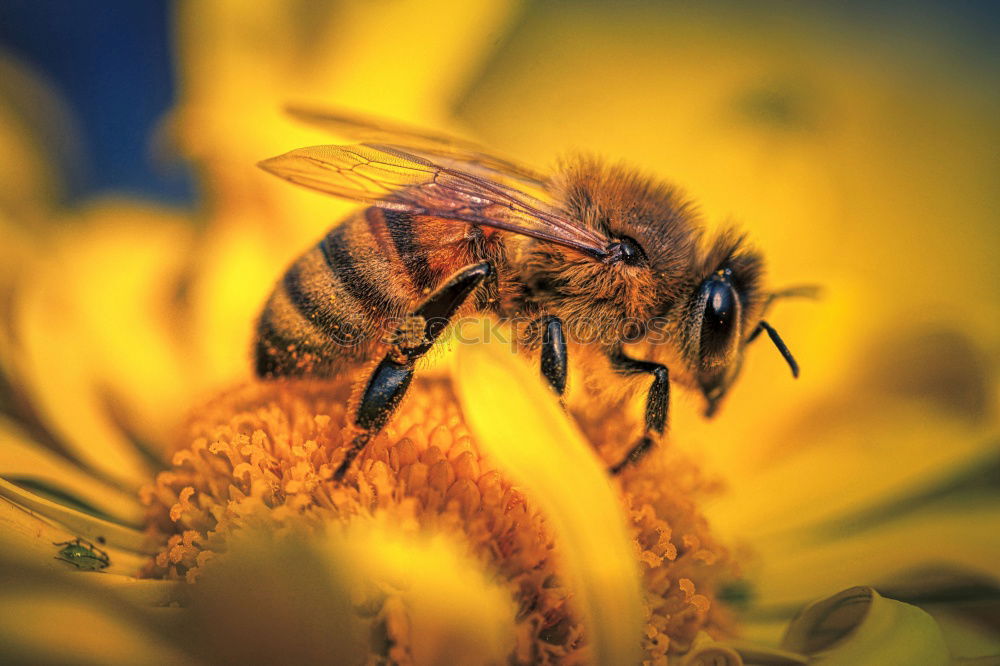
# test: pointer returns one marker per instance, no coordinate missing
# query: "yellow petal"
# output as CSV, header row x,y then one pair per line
x,y
22,460
848,469
328,598
96,354
519,423
967,636
298,609
52,625
858,626
144,592
240,66
455,613
65,615
257,59
34,523
956,537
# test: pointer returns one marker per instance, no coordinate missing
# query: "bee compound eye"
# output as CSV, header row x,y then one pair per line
x,y
721,311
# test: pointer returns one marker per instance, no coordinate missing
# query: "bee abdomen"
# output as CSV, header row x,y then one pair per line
x,y
363,273
282,350
331,306
406,245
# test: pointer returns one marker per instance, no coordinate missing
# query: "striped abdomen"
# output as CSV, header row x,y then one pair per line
x,y
341,298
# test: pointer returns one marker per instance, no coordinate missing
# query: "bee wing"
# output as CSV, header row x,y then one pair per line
x,y
389,177
417,141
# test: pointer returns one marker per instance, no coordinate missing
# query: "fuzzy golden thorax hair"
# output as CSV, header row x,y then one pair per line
x,y
620,203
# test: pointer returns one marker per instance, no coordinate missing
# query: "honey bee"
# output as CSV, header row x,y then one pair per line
x,y
450,229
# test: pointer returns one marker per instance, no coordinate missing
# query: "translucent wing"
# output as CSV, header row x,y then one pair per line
x,y
457,152
392,178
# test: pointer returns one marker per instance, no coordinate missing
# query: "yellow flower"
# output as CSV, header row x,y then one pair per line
x,y
263,457
469,536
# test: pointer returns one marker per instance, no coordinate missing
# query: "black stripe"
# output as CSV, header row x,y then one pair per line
x,y
272,358
338,257
400,225
327,320
278,354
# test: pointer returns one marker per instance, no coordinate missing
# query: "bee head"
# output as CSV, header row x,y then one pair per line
x,y
724,314
715,330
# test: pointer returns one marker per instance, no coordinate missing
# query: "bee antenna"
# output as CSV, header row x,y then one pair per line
x,y
779,343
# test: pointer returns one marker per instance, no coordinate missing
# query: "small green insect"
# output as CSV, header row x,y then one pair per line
x,y
83,555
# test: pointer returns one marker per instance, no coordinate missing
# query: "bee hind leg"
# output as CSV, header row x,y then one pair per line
x,y
388,383
657,403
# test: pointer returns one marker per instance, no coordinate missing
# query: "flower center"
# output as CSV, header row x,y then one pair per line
x,y
265,454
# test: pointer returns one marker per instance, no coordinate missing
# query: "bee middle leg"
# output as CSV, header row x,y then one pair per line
x,y
657,404
392,376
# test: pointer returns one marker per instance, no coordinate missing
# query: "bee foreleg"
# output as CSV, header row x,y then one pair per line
x,y
657,404
391,378
553,364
